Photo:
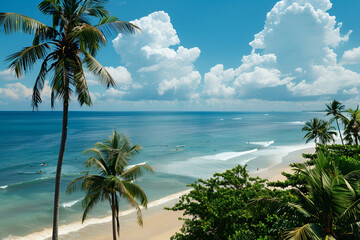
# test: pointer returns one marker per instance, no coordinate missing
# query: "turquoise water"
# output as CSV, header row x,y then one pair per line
x,y
209,142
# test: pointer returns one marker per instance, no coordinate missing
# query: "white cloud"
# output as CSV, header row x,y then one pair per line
x,y
15,91
163,71
217,81
8,75
95,96
351,56
328,80
293,55
121,76
113,93
351,91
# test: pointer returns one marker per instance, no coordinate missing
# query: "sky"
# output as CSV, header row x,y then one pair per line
x,y
229,55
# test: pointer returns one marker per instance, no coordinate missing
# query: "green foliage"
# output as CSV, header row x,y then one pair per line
x,y
345,157
217,208
115,177
319,131
321,198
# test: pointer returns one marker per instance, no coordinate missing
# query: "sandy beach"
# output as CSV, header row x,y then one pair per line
x,y
274,173
160,224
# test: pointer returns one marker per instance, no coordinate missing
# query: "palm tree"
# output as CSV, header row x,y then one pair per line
x,y
331,208
352,125
318,129
334,109
64,47
114,179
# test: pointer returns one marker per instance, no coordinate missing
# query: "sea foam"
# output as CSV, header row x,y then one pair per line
x,y
265,144
224,156
3,187
296,123
70,204
76,226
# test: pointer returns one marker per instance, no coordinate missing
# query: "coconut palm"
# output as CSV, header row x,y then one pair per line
x,y
330,209
319,131
334,109
114,179
63,48
352,125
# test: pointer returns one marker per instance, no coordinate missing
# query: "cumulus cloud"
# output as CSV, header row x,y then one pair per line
x,y
160,68
292,56
120,74
217,82
351,91
113,93
15,91
8,75
351,56
328,80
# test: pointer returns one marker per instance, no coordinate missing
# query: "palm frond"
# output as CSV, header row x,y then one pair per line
x,y
111,26
25,59
136,192
89,202
79,182
39,82
136,171
98,70
81,87
90,38
14,22
130,199
308,231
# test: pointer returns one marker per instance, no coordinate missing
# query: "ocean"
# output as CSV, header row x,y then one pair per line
x,y
180,146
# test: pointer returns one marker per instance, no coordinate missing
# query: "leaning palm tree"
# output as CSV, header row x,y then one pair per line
x,y
115,178
319,130
352,124
334,109
330,209
71,41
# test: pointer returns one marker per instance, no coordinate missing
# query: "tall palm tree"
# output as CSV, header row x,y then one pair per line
x,y
334,109
352,124
114,179
331,208
319,131
64,47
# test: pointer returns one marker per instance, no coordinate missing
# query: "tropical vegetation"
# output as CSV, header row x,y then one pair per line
x,y
79,29
335,108
319,131
113,178
319,200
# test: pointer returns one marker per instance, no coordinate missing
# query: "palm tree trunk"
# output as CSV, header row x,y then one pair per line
x,y
339,132
58,170
113,220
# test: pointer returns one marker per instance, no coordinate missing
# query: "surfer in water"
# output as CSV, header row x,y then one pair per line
x,y
39,172
43,164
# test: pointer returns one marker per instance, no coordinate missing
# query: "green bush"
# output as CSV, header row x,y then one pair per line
x,y
217,208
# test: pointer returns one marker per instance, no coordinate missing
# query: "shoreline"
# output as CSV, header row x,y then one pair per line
x,y
159,224
273,173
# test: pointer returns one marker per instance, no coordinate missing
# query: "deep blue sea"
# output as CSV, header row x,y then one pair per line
x,y
207,142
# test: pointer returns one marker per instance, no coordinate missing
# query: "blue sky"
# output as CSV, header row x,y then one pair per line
x,y
258,55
